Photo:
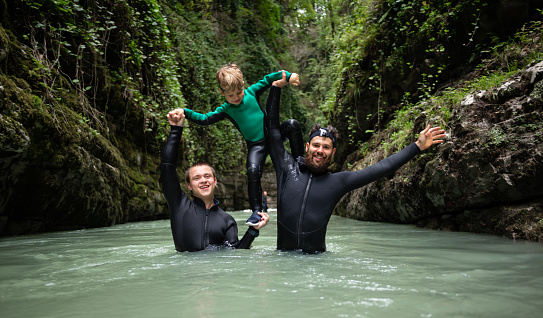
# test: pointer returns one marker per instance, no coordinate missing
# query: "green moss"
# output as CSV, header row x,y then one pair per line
x,y
14,138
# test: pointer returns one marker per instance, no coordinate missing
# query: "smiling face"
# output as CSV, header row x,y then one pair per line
x,y
319,153
234,96
202,182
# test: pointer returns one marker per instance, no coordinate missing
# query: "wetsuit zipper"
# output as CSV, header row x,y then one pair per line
x,y
205,234
306,194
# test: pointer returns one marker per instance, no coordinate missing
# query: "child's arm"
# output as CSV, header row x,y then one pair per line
x,y
208,118
259,87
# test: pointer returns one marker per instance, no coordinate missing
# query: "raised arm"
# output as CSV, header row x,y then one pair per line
x,y
208,118
279,155
259,87
356,179
427,137
169,178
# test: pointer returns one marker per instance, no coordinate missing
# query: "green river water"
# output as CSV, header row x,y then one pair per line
x,y
369,270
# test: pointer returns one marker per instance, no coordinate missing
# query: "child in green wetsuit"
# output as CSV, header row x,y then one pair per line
x,y
243,109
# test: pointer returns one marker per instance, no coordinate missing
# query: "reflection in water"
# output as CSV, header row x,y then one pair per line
x,y
369,270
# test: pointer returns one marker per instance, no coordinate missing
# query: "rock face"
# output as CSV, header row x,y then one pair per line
x,y
486,178
57,173
231,190
359,109
57,176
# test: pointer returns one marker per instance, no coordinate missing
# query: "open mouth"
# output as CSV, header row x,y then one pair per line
x,y
319,158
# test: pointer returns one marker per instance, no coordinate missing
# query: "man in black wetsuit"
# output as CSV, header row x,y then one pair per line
x,y
197,224
306,192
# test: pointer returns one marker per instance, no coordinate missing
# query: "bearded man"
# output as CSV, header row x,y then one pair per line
x,y
306,192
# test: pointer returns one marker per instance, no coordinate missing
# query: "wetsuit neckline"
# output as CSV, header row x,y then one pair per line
x,y
201,203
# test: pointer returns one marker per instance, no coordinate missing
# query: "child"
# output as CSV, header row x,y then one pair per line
x,y
243,109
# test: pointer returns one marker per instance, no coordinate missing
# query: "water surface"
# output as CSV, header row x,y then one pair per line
x,y
369,270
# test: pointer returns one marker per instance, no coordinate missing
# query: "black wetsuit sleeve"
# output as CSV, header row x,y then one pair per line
x,y
357,179
280,157
169,178
231,235
248,238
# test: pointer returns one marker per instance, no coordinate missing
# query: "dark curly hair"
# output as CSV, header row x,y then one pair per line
x,y
331,129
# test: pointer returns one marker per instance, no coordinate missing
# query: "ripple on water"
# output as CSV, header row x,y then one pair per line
x,y
369,270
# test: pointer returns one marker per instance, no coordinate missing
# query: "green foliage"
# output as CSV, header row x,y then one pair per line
x,y
358,43
159,55
498,136
80,35
438,108
202,48
269,19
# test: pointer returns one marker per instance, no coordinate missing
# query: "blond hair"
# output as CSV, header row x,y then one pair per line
x,y
230,78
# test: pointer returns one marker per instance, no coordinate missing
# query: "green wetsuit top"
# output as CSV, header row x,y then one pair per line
x,y
248,116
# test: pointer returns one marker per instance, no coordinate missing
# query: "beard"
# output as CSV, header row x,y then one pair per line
x,y
317,168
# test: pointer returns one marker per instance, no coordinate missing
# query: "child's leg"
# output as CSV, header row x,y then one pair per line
x,y
255,161
292,130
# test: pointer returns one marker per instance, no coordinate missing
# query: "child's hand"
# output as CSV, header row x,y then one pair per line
x,y
176,117
282,82
294,79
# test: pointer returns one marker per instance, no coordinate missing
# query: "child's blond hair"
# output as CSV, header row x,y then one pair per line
x,y
230,78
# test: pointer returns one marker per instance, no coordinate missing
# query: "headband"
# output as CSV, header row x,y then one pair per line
x,y
323,132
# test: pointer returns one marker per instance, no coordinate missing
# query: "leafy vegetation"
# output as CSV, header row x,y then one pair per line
x,y
502,62
370,45
139,59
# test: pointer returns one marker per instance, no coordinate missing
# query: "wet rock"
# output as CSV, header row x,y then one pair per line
x,y
487,177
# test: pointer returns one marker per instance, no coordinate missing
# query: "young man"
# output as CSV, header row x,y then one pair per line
x,y
197,224
307,193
